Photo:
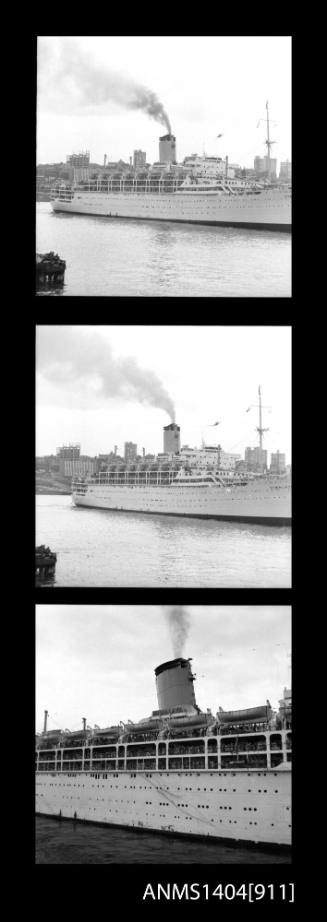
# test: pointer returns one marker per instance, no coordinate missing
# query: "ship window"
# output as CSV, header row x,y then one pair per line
x,y
275,741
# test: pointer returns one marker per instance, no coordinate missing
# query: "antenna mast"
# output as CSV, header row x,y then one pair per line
x,y
268,142
260,429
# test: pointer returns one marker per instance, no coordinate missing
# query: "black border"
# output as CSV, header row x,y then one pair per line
x,y
125,883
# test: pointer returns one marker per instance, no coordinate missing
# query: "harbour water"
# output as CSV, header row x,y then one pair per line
x,y
151,258
98,547
76,843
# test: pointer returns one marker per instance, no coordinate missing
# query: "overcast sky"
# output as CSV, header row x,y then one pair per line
x,y
207,85
98,661
95,386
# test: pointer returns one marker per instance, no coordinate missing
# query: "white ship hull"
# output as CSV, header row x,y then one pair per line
x,y
271,208
251,806
264,500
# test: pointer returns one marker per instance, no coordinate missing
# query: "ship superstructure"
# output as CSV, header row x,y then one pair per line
x,y
180,770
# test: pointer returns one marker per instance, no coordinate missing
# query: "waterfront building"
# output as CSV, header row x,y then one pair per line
x,y
139,159
285,171
130,451
256,459
80,467
277,463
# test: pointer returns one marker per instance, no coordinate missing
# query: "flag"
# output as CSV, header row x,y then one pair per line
x,y
220,135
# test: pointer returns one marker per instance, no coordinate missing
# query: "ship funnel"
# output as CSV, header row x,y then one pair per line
x,y
172,439
45,721
84,723
174,681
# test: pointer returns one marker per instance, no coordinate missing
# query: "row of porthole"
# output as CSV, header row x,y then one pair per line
x,y
176,816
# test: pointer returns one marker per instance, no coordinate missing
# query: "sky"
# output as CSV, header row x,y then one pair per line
x,y
103,385
98,661
208,85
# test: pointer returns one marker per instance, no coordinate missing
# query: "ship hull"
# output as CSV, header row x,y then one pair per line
x,y
270,210
250,503
252,807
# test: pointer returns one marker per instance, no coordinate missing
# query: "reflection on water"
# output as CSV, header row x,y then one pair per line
x,y
131,257
98,547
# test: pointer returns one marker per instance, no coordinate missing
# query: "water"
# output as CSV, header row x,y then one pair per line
x,y
144,258
97,547
74,843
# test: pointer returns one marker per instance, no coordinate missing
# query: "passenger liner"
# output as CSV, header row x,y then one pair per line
x,y
193,202
166,195
259,498
179,771
206,494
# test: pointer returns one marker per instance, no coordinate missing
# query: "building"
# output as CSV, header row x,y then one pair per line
x,y
277,463
80,467
167,149
256,459
79,161
139,159
130,451
171,440
67,453
265,166
79,164
285,171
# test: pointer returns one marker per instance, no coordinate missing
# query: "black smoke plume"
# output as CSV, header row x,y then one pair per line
x,y
69,77
178,621
68,355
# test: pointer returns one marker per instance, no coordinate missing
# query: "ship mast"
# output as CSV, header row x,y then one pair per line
x,y
268,142
260,429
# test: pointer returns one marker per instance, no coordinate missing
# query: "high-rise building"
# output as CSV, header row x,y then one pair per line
x,y
285,171
130,451
172,439
256,459
265,166
167,148
277,463
67,453
139,159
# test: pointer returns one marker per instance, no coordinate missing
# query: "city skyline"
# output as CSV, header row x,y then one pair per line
x,y
209,374
99,662
217,106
